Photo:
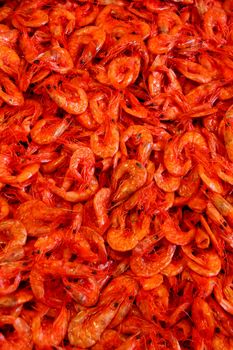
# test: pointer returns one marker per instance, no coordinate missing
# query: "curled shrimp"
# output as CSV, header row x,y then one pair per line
x,y
110,144
18,236
193,71
228,132
122,238
57,59
9,92
71,98
123,71
58,26
215,24
46,131
100,203
167,183
85,43
21,338
29,15
207,264
173,233
8,36
86,328
77,194
142,137
83,156
223,206
223,294
141,261
137,175
86,13
9,60
54,333
17,298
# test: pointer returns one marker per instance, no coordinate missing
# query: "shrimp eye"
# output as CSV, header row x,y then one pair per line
x,y
139,165
48,87
138,336
36,61
68,287
131,297
116,304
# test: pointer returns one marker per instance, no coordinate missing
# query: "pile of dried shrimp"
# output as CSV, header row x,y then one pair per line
x,y
116,174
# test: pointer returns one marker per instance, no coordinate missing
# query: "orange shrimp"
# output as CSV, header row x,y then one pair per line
x,y
223,206
100,203
18,236
167,183
54,333
110,144
56,59
20,339
173,233
9,60
210,179
203,318
85,43
121,238
215,24
161,43
86,328
207,264
86,13
6,11
228,132
123,71
169,22
4,208
9,92
30,15
141,261
46,131
8,36
58,26
223,294
193,71
67,96
137,175
17,298
142,137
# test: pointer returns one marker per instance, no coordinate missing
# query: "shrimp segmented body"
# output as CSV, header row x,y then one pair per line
x,y
137,175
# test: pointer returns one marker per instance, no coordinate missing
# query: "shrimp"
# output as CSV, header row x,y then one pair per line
x,y
76,194
121,238
16,298
83,156
161,43
228,132
54,333
6,11
203,318
4,208
9,92
193,71
132,106
67,96
210,179
100,203
167,183
151,282
46,131
223,206
110,144
169,22
144,264
109,338
173,233
85,291
137,175
86,328
123,71
18,236
9,60
142,137
85,43
29,15
8,36
189,184
207,264
223,294
20,339
86,13
215,24
56,59
98,104
60,27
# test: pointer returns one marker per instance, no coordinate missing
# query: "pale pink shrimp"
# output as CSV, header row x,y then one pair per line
x,y
54,333
110,144
85,43
67,95
46,131
137,176
142,137
100,203
146,265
